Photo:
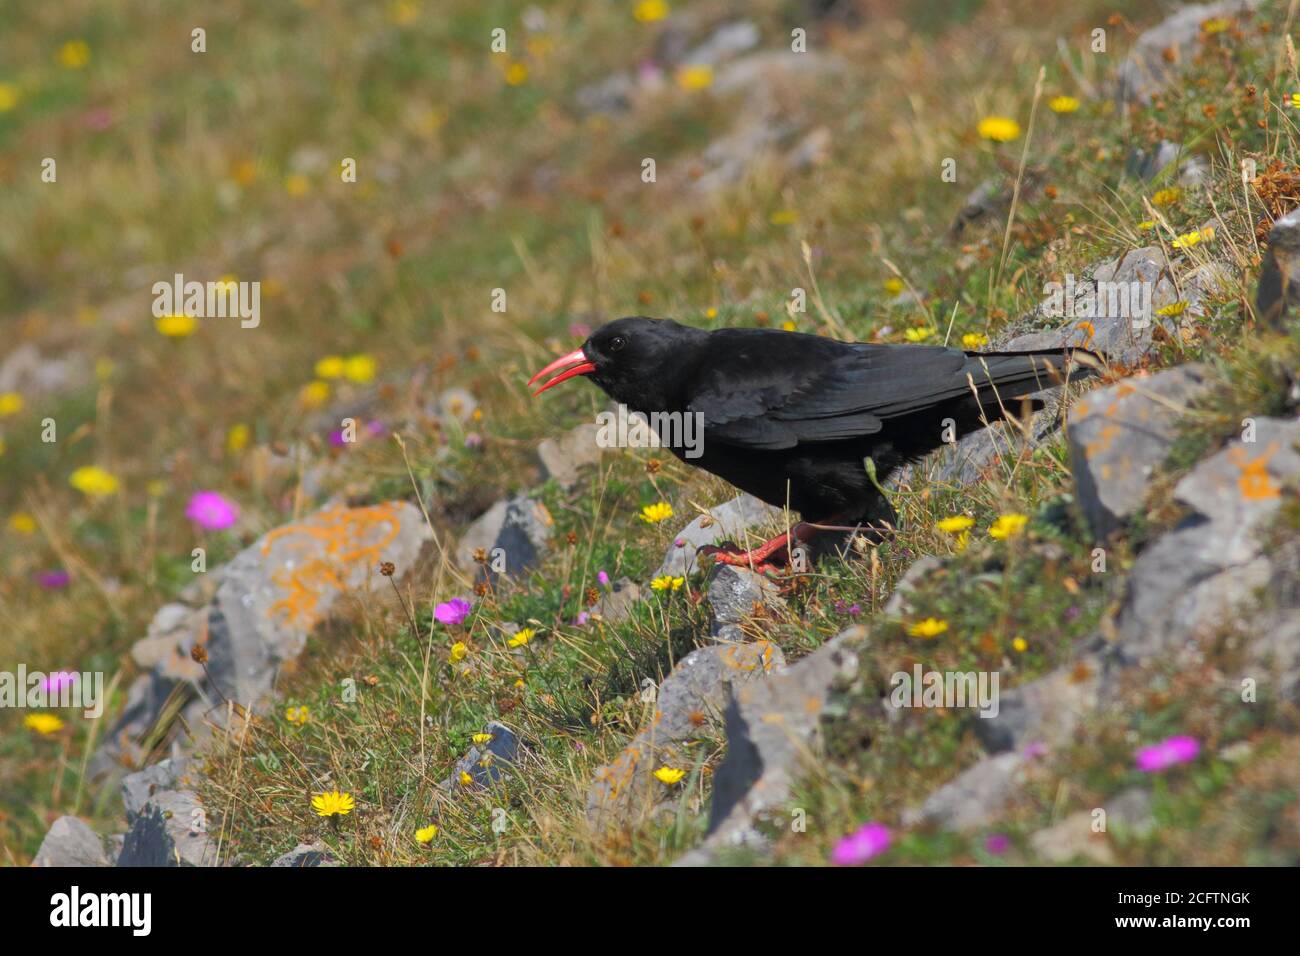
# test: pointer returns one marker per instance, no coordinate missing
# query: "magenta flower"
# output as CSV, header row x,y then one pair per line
x,y
1167,753
337,438
1035,748
473,440
603,578
997,843
582,619
858,847
53,683
53,579
452,612
210,510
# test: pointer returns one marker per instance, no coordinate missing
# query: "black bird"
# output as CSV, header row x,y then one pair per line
x,y
791,418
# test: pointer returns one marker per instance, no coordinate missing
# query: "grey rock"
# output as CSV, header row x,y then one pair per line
x,y
1148,163
165,647
898,604
727,41
731,520
990,202
138,788
688,704
617,603
562,458
974,798
1276,294
26,371
610,95
1159,54
307,854
1130,812
145,700
1119,435
170,830
486,763
1046,710
733,595
773,730
1073,838
70,842
519,526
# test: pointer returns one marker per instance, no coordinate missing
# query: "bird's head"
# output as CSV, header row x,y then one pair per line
x,y
634,360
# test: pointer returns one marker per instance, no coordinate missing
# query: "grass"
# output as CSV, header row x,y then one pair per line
x,y
226,163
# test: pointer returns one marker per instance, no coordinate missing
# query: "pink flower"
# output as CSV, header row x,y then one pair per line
x,y
603,578
1167,753
53,579
582,619
208,509
858,847
452,612
1035,748
997,843
53,683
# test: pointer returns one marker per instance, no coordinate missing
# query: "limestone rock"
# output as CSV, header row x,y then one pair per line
x,y
170,830
70,842
562,458
519,526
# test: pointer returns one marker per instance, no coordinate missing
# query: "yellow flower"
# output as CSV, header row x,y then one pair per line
x,y
1295,100
974,340
1000,129
669,775
1020,644
649,11
93,481
332,803
710,313
481,739
1172,309
667,583
176,326
43,723
8,97
695,77
11,403
359,368
20,522
1167,197
522,637
1008,525
788,326
930,627
458,651
955,524
237,438
331,366
1189,239
404,12
155,487
297,715
918,335
74,54
894,285
659,511
1147,224
314,394
297,185
516,74
1216,25
465,778
425,834
1063,104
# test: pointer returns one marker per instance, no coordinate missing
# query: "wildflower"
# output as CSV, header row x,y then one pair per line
x,y
452,612
894,285
1167,197
465,778
359,368
314,394
176,326
783,217
1008,526
297,185
11,403
1215,25
516,74
297,715
997,843
458,651
1172,309
53,580
74,54
481,739
1063,104
237,438
659,511
1147,224
667,583
210,510
603,578
1295,100
94,482
332,803
930,627
858,847
999,129
1189,239
8,97
918,335
1167,753
710,313
1034,749
955,524
44,724
974,340
650,11
695,77
403,13
331,366
669,775
1020,645
20,522
426,834
54,683
522,637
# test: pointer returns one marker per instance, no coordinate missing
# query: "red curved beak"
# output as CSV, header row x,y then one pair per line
x,y
580,366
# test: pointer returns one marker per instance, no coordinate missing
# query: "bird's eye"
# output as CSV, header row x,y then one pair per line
x,y
616,343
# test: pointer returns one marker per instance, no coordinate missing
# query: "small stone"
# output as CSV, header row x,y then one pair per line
x,y
307,854
519,527
138,788
170,830
561,459
1073,838
976,797
70,842
617,603
486,762
733,594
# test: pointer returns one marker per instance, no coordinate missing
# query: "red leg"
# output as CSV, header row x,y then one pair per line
x,y
757,559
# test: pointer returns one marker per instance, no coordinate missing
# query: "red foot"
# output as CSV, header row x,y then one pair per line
x,y
755,560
